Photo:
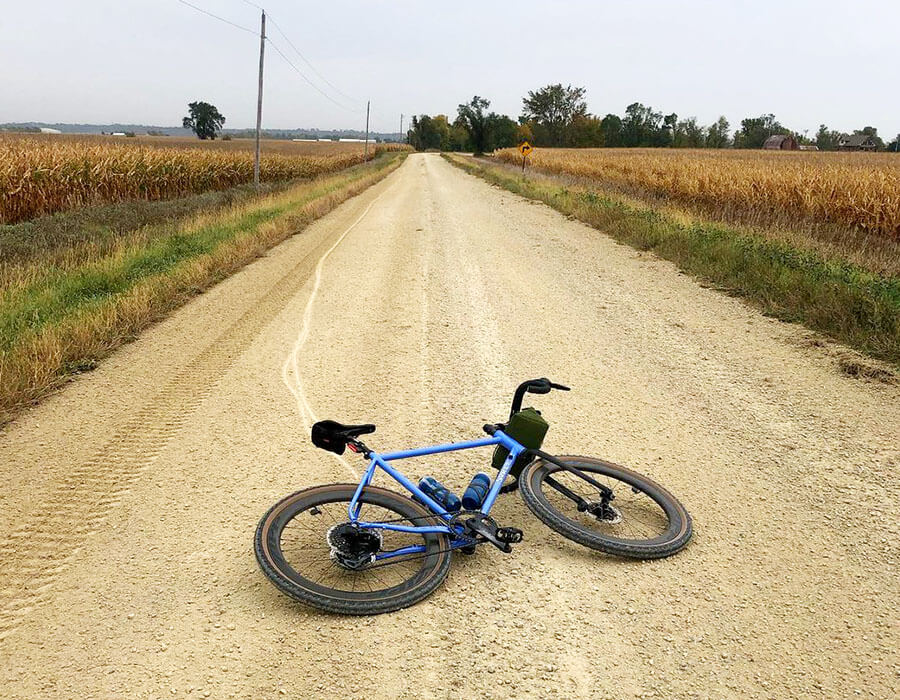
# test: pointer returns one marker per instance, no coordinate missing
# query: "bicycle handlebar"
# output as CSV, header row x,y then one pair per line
x,y
533,386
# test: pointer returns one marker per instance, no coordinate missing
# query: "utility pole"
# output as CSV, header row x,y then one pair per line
x,y
366,157
262,51
401,127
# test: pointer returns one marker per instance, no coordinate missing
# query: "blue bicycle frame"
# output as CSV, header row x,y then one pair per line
x,y
383,461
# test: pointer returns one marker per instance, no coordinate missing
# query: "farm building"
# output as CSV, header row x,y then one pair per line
x,y
47,130
857,142
781,142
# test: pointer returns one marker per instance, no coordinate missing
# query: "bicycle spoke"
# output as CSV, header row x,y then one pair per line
x,y
304,545
640,517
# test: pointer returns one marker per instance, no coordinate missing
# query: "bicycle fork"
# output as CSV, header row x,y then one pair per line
x,y
606,494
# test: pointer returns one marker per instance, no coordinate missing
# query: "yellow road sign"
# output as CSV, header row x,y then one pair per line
x,y
525,148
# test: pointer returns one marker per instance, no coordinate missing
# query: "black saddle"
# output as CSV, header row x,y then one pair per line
x,y
333,436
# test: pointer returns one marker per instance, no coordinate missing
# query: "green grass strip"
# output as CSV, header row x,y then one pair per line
x,y
62,294
850,304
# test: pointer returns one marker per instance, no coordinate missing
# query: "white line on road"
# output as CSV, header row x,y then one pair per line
x,y
292,362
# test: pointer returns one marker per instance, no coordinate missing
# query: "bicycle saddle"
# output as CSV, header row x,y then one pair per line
x,y
333,436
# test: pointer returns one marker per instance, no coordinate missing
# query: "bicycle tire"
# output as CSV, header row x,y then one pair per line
x,y
674,538
272,560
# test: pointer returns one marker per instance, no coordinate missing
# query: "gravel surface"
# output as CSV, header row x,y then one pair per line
x,y
126,564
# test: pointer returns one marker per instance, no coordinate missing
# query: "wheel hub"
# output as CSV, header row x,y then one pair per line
x,y
353,547
605,512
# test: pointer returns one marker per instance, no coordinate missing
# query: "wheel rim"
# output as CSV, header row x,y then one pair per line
x,y
636,516
299,549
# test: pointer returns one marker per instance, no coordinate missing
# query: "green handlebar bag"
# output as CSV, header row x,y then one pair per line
x,y
526,427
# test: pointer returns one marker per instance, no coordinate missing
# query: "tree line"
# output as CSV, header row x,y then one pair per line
x,y
557,116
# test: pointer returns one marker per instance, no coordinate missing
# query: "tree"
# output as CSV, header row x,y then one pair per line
x,y
586,131
827,139
552,109
666,135
524,133
459,137
612,131
204,120
425,133
642,126
873,132
688,134
442,127
475,122
894,145
717,135
503,131
412,133
755,130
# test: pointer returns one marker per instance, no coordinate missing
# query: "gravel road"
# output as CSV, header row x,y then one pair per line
x,y
131,497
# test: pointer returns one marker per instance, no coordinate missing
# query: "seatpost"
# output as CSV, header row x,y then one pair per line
x,y
359,447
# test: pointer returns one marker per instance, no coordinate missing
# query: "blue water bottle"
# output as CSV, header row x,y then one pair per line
x,y
476,491
440,493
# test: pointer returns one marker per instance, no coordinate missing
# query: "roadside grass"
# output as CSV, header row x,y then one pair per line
x,y
72,238
853,305
62,318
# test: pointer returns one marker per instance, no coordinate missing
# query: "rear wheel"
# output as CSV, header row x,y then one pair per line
x,y
642,520
307,548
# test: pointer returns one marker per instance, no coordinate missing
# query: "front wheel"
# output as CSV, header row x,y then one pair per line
x,y
642,520
308,549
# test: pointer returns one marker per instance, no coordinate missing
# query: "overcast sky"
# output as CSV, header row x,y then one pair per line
x,y
137,61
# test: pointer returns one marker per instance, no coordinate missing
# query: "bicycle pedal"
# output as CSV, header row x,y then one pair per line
x,y
509,535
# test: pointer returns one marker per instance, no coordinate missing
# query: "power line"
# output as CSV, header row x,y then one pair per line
x,y
221,19
281,53
300,54
307,62
311,83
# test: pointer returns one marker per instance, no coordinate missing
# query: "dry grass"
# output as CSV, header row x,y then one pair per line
x,y
857,192
66,318
45,174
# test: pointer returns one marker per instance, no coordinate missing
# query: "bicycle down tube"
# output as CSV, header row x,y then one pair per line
x,y
383,461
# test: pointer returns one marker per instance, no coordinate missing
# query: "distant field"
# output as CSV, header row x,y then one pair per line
x,y
44,174
279,146
851,191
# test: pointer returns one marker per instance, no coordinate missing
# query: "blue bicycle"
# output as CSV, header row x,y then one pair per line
x,y
360,549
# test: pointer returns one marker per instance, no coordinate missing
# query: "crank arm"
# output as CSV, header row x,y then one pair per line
x,y
477,526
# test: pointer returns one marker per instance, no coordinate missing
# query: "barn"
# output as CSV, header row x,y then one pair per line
x,y
781,142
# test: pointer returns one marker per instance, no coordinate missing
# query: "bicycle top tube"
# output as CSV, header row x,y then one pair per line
x,y
383,461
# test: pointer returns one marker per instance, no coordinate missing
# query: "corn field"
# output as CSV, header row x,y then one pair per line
x,y
40,175
859,191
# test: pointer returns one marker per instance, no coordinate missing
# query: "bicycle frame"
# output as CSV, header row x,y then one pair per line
x,y
383,462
